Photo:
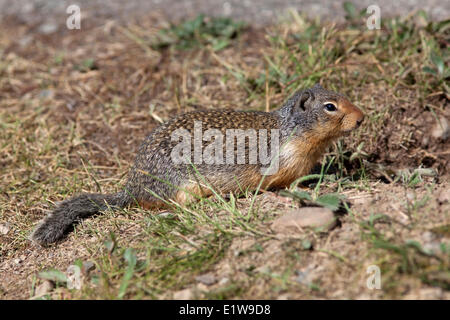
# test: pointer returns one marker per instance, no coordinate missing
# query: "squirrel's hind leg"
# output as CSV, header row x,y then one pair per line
x,y
191,192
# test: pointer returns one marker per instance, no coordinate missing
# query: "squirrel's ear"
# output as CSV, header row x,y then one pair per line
x,y
317,86
301,101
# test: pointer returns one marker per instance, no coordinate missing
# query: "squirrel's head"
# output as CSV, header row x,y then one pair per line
x,y
327,113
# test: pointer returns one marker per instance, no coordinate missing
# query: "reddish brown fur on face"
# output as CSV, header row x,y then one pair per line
x,y
353,115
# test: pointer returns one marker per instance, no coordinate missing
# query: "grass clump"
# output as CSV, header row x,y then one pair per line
x,y
216,32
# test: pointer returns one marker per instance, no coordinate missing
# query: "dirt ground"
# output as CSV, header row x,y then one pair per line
x,y
76,104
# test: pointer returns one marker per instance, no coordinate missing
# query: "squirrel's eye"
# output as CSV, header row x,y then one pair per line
x,y
330,107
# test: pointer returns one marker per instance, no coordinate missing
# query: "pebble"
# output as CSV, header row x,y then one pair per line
x,y
48,28
207,278
312,217
430,242
444,196
303,278
4,228
44,288
88,266
165,214
47,93
441,130
185,294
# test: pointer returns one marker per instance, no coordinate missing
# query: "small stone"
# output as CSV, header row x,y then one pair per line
x,y
185,294
302,277
48,28
420,21
263,270
430,293
44,288
165,214
430,243
207,278
202,287
88,266
46,94
441,130
4,228
444,196
312,217
410,195
223,281
25,40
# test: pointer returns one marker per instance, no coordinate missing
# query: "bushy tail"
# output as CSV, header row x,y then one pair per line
x,y
69,211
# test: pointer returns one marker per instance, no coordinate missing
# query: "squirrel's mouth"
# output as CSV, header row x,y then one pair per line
x,y
347,130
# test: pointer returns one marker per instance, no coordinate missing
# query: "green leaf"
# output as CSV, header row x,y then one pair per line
x,y
53,275
414,179
306,244
330,201
111,243
350,9
376,217
442,26
220,44
131,259
429,70
438,62
296,195
417,246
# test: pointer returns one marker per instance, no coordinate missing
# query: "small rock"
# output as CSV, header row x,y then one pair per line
x,y
47,93
185,294
25,40
307,275
223,281
410,195
303,277
165,214
430,242
420,21
4,228
312,217
88,266
48,28
441,130
74,278
207,278
444,196
430,293
17,261
263,270
44,288
202,287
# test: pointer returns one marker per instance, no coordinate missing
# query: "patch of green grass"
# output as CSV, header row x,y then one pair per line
x,y
201,31
403,259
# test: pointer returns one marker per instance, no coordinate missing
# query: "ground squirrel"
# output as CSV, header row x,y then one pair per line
x,y
299,133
